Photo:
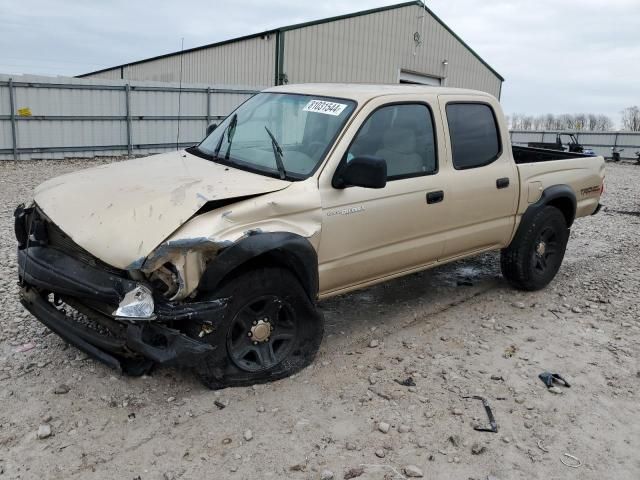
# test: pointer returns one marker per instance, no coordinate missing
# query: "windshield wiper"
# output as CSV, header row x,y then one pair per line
x,y
277,152
229,131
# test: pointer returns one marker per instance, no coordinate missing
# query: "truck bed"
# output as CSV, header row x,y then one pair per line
x,y
533,155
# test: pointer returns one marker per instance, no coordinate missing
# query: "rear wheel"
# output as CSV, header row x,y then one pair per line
x,y
270,330
536,253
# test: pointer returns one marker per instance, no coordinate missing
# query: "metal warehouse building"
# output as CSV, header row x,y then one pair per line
x,y
403,43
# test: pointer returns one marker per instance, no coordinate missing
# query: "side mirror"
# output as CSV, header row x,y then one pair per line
x,y
211,128
365,171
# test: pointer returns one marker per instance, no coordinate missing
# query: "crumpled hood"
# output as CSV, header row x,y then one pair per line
x,y
120,212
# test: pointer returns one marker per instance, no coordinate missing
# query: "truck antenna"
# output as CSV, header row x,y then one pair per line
x,y
179,95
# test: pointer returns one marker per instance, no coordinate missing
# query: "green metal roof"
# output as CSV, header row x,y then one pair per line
x,y
307,24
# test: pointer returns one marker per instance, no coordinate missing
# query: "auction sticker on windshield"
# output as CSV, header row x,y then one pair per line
x,y
322,106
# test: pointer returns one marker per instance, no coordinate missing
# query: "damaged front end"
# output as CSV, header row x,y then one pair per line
x,y
119,317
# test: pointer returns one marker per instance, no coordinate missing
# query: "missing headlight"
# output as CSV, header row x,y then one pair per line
x,y
136,304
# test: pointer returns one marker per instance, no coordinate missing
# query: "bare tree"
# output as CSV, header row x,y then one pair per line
x,y
631,119
603,123
580,121
515,121
566,121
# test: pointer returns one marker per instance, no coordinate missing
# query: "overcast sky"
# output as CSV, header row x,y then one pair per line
x,y
558,56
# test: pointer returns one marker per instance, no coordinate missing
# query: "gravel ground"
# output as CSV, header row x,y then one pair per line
x,y
347,415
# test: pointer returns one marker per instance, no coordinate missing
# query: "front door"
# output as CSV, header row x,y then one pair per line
x,y
368,234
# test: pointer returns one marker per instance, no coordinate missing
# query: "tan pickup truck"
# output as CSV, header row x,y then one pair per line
x,y
214,257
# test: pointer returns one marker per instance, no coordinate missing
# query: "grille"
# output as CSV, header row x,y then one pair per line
x,y
59,240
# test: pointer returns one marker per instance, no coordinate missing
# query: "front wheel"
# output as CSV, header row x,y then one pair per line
x,y
536,253
270,330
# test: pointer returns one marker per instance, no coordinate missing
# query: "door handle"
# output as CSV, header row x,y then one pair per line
x,y
435,197
502,182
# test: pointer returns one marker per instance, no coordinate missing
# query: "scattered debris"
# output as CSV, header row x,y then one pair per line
x,y
455,440
542,447
493,426
510,351
407,382
248,435
219,404
389,467
26,347
578,462
555,390
549,379
353,473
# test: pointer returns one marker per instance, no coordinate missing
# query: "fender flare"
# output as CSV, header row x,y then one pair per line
x,y
552,195
287,249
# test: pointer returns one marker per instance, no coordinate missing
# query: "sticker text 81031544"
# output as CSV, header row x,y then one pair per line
x,y
322,106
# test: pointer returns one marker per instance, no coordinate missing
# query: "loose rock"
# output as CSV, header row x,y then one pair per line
x,y
248,435
373,343
384,427
412,471
44,431
61,389
353,473
477,449
326,475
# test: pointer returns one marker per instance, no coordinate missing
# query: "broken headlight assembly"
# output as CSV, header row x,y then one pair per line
x,y
137,304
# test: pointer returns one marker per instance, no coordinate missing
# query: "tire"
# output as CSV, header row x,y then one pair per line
x,y
534,256
270,330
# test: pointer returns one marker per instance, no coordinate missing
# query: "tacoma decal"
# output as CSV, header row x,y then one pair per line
x,y
346,211
590,190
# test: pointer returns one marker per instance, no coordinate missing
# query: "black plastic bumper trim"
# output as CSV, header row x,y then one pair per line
x,y
52,270
64,328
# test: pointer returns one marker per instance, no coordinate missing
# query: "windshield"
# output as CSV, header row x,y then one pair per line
x,y
279,134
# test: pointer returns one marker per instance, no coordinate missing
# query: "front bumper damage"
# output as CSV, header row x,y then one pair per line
x,y
75,296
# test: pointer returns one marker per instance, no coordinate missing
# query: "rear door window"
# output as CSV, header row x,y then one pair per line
x,y
475,139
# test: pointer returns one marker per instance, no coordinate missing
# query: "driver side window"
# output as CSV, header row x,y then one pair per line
x,y
403,136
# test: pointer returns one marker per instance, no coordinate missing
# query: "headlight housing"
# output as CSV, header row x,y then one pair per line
x,y
137,304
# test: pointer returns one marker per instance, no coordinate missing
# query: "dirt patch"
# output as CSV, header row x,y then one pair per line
x,y
456,331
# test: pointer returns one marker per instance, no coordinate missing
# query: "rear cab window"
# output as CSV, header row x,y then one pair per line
x,y
474,134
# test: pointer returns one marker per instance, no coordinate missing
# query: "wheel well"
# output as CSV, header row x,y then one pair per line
x,y
566,206
277,249
264,260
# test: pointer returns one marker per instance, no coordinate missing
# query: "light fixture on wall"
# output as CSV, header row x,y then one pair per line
x,y
445,62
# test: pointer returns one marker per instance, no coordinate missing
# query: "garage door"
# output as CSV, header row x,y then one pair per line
x,y
420,79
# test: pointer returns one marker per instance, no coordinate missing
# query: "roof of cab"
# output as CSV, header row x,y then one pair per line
x,y
362,92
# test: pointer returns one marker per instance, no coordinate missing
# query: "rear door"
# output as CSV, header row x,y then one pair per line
x,y
483,182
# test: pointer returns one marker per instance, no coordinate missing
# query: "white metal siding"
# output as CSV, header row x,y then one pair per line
x,y
374,48
109,101
249,63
